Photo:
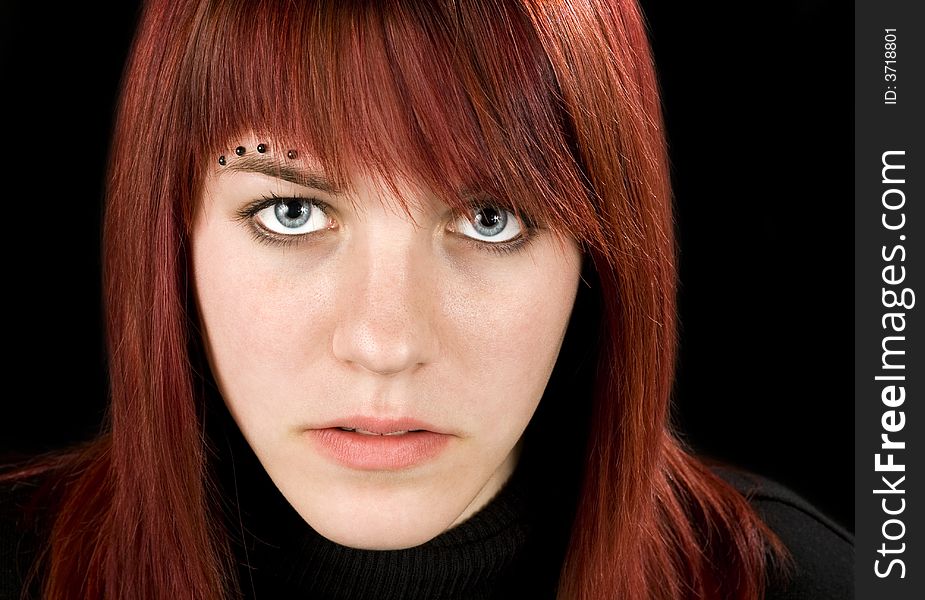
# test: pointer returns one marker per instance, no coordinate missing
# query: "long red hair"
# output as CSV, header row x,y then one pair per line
x,y
553,106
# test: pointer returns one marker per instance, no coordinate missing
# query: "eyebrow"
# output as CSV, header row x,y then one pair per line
x,y
271,168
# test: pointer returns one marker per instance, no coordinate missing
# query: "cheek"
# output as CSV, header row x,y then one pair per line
x,y
510,336
263,317
260,316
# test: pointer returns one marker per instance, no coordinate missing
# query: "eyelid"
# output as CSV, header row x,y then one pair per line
x,y
252,208
501,248
483,202
527,224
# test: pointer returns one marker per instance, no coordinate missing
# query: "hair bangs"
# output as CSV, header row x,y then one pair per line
x,y
454,100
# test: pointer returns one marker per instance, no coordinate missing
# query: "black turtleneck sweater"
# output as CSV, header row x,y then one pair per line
x,y
478,559
512,548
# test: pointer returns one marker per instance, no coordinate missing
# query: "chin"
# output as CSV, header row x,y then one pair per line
x,y
381,540
383,516
380,529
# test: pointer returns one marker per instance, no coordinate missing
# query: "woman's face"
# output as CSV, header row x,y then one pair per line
x,y
430,344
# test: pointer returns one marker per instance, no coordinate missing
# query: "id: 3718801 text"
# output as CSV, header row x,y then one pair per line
x,y
889,66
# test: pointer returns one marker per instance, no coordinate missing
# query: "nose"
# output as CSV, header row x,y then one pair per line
x,y
388,300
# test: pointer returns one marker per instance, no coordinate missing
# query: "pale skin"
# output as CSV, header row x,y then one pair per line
x,y
372,313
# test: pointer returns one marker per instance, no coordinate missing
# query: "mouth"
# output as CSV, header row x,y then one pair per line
x,y
366,432
371,444
365,425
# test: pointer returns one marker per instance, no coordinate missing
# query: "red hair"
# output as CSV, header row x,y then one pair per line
x,y
553,106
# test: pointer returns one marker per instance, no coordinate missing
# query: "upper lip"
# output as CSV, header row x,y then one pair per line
x,y
380,425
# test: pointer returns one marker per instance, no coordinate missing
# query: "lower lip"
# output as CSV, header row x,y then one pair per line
x,y
379,452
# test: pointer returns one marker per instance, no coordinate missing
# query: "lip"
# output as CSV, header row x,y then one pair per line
x,y
377,450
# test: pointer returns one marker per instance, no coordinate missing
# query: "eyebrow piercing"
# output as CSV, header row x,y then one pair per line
x,y
261,148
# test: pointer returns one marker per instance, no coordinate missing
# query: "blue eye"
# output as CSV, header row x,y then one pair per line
x,y
489,224
292,216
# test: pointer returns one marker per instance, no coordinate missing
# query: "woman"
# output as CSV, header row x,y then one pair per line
x,y
390,301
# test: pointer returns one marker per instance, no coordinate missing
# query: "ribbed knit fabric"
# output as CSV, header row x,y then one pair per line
x,y
470,561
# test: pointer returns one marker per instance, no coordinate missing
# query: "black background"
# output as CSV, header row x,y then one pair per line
x,y
758,102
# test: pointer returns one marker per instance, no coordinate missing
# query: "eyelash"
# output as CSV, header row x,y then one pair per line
x,y
501,248
246,216
262,235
